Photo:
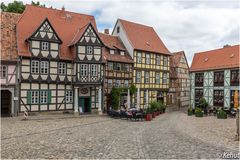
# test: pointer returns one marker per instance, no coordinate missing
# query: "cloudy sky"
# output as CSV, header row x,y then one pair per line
x,y
189,25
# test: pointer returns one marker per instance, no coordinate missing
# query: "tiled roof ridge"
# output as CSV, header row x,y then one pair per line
x,y
216,49
143,25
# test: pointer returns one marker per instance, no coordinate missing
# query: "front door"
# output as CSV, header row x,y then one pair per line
x,y
85,104
5,103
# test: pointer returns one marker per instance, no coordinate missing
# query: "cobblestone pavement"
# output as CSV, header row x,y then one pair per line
x,y
103,137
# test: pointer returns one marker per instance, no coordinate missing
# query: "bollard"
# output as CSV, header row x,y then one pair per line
x,y
25,115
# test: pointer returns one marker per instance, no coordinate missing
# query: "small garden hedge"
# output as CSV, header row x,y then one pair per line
x,y
198,112
221,114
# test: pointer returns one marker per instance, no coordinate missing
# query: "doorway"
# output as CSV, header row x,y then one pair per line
x,y
6,103
85,103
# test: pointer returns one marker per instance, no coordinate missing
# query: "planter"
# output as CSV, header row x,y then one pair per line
x,y
148,117
199,114
190,112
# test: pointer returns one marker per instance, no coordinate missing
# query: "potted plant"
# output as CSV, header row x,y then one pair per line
x,y
164,106
148,114
221,114
198,112
190,111
153,108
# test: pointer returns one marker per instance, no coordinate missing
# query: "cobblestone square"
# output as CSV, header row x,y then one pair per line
x,y
171,135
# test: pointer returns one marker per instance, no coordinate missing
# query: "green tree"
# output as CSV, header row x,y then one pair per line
x,y
115,95
18,6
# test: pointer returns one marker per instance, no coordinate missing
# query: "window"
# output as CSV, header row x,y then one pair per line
x,y
199,79
119,66
165,61
138,80
110,83
126,67
112,51
62,68
118,29
218,97
84,69
35,66
158,60
94,70
148,58
3,71
45,46
198,96
122,53
145,97
97,96
110,65
219,78
164,78
69,96
235,78
89,49
139,57
157,78
146,77
44,67
43,97
126,83
118,83
34,97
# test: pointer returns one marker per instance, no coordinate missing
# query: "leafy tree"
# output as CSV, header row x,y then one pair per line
x,y
18,6
115,95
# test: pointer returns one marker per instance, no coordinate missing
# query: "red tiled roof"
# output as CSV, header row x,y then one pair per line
x,y
226,57
143,37
66,24
8,36
113,42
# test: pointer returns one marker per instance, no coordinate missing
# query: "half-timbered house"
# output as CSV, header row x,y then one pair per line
x,y
215,76
118,68
151,59
8,66
60,60
179,92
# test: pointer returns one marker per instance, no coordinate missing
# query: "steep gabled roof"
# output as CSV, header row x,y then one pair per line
x,y
222,58
113,42
8,36
175,58
143,37
66,24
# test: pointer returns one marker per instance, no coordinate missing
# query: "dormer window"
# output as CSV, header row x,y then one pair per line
x,y
89,50
45,46
111,51
122,53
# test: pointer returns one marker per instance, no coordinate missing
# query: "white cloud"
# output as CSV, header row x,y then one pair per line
x,y
192,26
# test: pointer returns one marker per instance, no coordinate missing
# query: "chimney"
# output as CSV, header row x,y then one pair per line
x,y
106,31
226,45
63,8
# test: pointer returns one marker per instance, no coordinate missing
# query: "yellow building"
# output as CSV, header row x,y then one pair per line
x,y
151,59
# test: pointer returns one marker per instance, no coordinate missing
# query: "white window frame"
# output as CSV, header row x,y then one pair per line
x,y
118,83
110,65
126,83
157,81
69,96
147,77
139,78
97,98
4,71
110,82
164,78
89,49
44,67
139,57
158,60
62,67
126,66
119,67
94,69
35,67
43,97
34,97
84,69
148,59
45,46
165,61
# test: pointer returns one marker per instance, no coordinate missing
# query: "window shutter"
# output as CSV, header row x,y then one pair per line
x,y
29,97
49,96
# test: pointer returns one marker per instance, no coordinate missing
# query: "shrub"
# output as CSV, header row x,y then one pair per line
x,y
190,111
115,95
198,112
221,114
154,106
